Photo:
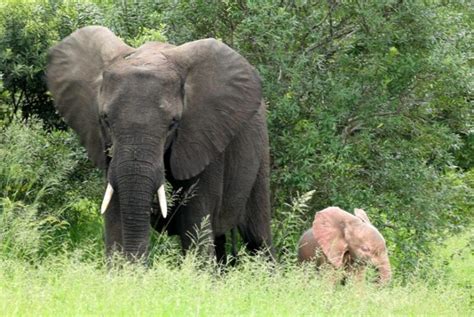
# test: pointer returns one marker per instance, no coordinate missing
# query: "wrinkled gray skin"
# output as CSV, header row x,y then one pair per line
x,y
345,241
191,114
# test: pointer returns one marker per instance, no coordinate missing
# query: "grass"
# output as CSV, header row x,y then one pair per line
x,y
458,256
66,285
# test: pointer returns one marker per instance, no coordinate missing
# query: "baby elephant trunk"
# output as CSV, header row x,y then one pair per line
x,y
383,266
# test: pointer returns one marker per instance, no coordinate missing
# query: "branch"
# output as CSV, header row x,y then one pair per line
x,y
389,225
331,8
314,28
364,22
329,39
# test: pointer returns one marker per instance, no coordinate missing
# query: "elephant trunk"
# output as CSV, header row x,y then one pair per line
x,y
384,269
135,196
136,172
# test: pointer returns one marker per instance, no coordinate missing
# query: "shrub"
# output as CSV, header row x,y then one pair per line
x,y
50,192
26,33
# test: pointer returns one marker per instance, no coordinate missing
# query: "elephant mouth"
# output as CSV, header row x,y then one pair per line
x,y
161,199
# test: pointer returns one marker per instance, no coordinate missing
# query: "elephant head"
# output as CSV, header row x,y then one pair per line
x,y
343,236
131,106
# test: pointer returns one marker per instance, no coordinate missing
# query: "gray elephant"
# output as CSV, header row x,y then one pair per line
x,y
190,114
345,241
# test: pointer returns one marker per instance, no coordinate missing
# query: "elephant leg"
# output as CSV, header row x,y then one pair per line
x,y
233,233
219,244
195,232
113,227
195,218
255,230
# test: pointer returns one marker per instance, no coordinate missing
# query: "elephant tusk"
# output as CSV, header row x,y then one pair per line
x,y
162,200
107,197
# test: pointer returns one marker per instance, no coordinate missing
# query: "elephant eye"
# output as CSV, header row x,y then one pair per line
x,y
365,248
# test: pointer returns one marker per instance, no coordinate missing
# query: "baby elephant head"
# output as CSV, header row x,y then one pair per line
x,y
343,238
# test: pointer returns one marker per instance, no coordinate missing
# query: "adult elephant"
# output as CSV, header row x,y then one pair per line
x,y
191,114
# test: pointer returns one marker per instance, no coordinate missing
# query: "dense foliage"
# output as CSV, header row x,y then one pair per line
x,y
49,192
369,106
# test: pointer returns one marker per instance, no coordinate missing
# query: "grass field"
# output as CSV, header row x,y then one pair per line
x,y
65,286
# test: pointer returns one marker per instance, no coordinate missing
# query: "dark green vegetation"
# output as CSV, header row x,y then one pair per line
x,y
369,106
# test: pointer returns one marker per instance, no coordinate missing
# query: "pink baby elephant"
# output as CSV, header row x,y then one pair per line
x,y
345,241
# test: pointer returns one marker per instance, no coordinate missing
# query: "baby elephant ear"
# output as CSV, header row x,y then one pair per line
x,y
222,91
328,230
360,213
74,76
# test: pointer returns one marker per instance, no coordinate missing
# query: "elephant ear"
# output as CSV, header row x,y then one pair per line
x,y
74,75
361,214
328,230
222,91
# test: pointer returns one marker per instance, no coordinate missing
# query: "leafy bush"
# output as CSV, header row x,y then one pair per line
x,y
50,192
26,33
19,230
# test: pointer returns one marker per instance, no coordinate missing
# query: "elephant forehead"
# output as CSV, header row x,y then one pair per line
x,y
139,70
374,236
139,84
147,60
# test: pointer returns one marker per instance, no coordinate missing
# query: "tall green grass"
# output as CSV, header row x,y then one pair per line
x,y
457,258
67,285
